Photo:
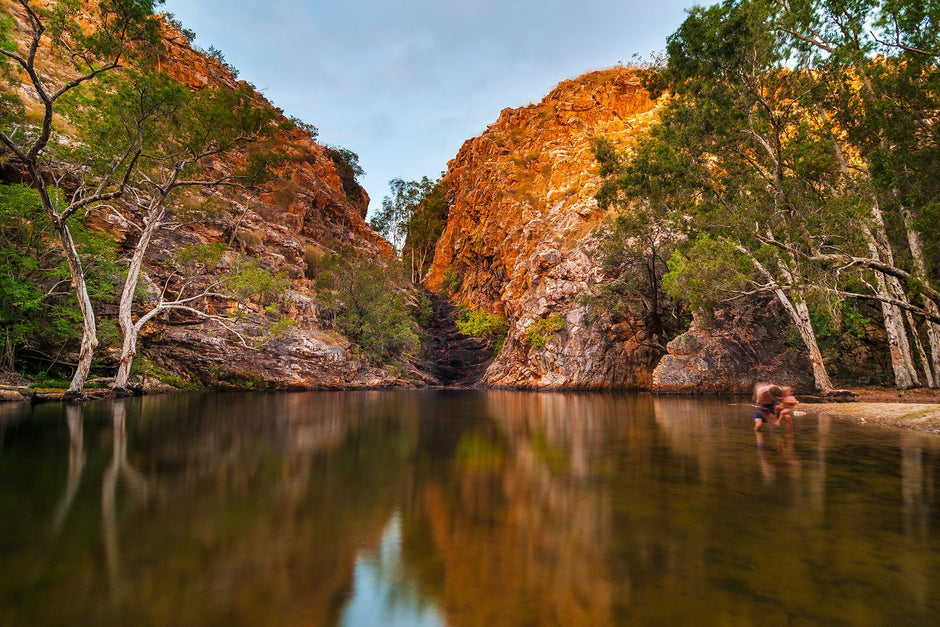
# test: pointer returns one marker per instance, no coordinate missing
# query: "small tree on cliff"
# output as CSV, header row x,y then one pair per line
x,y
57,30
181,135
348,169
412,219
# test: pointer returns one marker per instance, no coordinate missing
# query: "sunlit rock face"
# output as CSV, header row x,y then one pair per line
x,y
519,239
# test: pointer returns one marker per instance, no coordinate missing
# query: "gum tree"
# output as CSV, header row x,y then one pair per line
x,y
54,32
184,138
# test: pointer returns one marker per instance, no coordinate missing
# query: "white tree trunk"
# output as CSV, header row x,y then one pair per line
x,y
125,308
921,353
902,360
932,368
89,329
799,314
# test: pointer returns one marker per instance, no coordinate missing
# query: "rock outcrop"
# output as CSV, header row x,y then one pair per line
x,y
519,239
731,352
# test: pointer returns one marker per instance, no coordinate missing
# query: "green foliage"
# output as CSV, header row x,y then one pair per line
x,y
367,301
199,258
216,54
279,329
412,219
451,282
122,23
707,274
424,310
854,321
349,170
172,20
540,331
252,282
313,132
490,326
176,130
36,307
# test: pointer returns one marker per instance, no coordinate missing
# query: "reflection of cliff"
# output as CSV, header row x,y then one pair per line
x,y
258,512
277,502
520,534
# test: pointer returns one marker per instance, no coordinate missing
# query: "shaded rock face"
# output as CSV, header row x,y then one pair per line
x,y
301,214
730,354
519,239
307,194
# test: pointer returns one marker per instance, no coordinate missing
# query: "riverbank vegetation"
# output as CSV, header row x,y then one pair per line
x,y
796,160
103,157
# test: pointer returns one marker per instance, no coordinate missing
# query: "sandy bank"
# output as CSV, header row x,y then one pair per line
x,y
919,416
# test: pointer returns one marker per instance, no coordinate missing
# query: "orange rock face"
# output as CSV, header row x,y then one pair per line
x,y
302,213
307,195
520,232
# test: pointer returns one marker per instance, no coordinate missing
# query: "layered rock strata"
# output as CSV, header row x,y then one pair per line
x,y
520,234
303,212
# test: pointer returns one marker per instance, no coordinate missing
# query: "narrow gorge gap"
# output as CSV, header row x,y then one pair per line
x,y
454,359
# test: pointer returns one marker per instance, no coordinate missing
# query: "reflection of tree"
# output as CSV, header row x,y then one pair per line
x,y
918,487
119,468
264,503
73,418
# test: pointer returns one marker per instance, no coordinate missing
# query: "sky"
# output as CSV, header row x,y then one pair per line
x,y
403,83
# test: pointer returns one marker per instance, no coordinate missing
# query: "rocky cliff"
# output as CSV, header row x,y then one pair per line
x,y
303,213
307,210
519,240
730,352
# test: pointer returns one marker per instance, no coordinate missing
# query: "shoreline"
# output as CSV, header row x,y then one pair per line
x,y
899,414
917,409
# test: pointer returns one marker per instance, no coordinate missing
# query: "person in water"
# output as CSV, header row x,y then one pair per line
x,y
772,402
785,407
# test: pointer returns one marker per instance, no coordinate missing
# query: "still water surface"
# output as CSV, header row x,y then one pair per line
x,y
461,508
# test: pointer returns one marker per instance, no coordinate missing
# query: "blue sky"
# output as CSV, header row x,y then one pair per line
x,y
403,83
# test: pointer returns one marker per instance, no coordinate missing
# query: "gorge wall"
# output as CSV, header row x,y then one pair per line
x,y
305,211
302,214
521,241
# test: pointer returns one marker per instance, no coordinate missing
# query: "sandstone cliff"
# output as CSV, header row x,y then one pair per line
x,y
519,236
300,215
304,212
521,241
730,353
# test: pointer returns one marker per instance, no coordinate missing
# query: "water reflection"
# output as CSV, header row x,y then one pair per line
x,y
137,487
460,508
383,593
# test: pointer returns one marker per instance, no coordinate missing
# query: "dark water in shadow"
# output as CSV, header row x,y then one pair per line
x,y
462,508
